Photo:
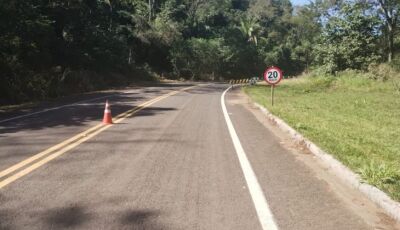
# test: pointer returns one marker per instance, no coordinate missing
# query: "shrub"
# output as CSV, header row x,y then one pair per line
x,y
381,72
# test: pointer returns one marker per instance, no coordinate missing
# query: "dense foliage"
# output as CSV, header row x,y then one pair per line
x,y
58,47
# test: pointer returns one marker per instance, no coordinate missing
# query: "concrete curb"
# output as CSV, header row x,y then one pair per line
x,y
391,207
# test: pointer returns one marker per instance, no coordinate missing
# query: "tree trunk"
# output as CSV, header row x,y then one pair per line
x,y
151,9
130,56
391,46
111,17
390,13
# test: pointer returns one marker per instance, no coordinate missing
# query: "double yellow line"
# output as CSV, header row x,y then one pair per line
x,y
28,165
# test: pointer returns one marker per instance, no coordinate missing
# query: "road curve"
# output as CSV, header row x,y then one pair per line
x,y
172,165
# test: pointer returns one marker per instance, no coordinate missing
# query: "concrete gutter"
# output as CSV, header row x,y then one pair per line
x,y
391,207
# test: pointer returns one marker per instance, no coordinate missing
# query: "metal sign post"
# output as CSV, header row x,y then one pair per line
x,y
273,75
272,95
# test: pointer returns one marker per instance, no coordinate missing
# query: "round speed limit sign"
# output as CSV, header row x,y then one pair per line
x,y
273,75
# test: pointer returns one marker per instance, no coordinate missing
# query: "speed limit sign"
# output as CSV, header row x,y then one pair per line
x,y
273,75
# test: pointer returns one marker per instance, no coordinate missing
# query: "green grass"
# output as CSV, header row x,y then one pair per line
x,y
355,119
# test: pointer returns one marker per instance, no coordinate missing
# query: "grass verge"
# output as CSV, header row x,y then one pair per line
x,y
354,118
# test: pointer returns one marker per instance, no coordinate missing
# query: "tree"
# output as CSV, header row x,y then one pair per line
x,y
348,40
249,28
51,48
305,30
390,12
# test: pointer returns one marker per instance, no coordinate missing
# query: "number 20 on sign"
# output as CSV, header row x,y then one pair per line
x,y
273,75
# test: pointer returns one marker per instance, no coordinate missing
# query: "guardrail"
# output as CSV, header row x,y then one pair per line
x,y
251,81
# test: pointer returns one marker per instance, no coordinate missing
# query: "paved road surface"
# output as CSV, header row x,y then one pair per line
x,y
172,165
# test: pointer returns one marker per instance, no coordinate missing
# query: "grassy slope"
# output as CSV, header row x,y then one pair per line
x,y
355,119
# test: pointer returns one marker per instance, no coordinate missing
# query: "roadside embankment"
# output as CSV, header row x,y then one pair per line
x,y
354,118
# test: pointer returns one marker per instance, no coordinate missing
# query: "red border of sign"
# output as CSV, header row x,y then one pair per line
x,y
277,69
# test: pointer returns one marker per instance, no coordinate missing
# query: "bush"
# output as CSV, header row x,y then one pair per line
x,y
381,72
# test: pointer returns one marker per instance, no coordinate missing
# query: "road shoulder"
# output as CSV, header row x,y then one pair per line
x,y
351,199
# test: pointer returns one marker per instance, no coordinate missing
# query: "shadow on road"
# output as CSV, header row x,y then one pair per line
x,y
4,216
70,115
84,112
215,88
141,219
80,217
69,217
78,114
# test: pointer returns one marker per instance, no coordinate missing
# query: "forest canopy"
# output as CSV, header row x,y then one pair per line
x,y
59,47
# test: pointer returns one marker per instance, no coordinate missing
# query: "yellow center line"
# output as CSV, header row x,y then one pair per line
x,y
72,142
47,151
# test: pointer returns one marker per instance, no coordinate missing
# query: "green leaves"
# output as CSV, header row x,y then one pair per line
x,y
249,27
348,40
190,38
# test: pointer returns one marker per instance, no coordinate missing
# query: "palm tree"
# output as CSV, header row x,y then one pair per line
x,y
249,27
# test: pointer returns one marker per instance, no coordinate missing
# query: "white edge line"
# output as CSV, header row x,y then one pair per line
x,y
55,108
264,213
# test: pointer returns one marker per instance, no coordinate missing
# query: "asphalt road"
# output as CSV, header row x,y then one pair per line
x,y
170,165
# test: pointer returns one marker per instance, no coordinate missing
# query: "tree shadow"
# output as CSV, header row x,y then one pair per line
x,y
141,219
17,110
88,110
216,88
77,217
69,115
150,111
5,219
67,217
108,213
78,114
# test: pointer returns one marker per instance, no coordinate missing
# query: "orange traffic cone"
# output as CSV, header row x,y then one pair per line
x,y
107,119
